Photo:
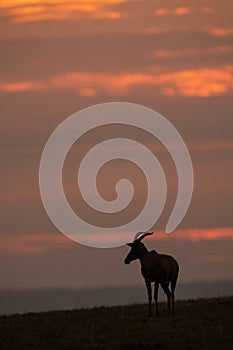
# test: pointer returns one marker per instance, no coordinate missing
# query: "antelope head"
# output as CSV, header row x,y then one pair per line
x,y
137,247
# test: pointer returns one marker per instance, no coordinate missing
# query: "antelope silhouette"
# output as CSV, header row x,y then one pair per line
x,y
158,268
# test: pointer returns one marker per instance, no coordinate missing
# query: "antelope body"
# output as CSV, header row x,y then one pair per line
x,y
158,268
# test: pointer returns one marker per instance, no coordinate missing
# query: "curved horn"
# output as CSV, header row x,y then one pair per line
x,y
144,234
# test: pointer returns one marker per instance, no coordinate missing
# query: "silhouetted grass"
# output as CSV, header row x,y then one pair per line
x,y
198,324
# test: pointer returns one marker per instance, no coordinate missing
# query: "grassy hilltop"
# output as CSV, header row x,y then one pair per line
x,y
198,324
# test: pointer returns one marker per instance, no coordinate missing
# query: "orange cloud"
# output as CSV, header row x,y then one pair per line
x,y
163,11
35,244
200,82
192,235
182,10
195,235
220,31
19,11
22,86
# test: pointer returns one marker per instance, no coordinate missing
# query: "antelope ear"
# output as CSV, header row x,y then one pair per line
x,y
129,244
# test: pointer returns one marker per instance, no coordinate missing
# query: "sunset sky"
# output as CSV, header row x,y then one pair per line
x,y
60,56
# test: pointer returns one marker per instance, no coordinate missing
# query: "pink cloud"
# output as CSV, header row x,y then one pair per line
x,y
206,10
191,52
210,146
31,244
216,258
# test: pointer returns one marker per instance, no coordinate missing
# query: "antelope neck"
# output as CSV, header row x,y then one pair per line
x,y
142,255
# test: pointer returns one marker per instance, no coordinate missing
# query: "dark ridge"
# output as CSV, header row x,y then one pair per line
x,y
22,301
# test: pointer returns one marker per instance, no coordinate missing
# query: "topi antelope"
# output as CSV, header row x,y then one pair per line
x,y
158,268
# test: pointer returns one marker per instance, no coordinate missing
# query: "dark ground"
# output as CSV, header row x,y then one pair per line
x,y
198,324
